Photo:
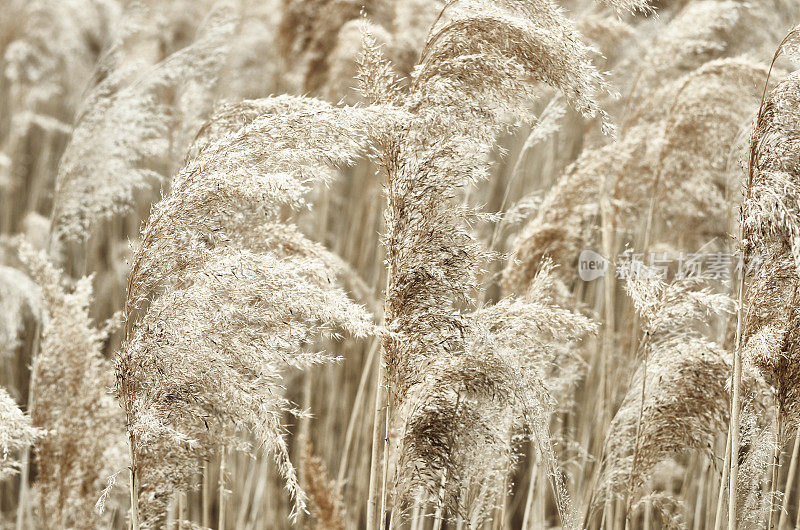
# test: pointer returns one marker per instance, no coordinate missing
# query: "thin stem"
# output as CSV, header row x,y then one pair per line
x,y
23,489
351,424
205,507
797,517
134,486
377,491
378,424
737,383
643,348
222,465
437,516
608,311
723,481
415,515
789,480
385,464
501,519
531,489
775,466
181,509
701,494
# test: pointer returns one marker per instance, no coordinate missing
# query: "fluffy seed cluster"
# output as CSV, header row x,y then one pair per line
x,y
326,504
494,405
17,433
463,383
771,230
82,441
224,298
678,142
135,118
20,298
677,400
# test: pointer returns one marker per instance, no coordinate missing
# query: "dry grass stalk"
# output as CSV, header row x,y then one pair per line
x,y
229,297
770,232
677,401
134,120
326,504
82,442
451,373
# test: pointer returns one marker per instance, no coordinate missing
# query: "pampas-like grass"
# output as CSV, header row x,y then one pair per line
x,y
266,237
220,304
464,415
770,233
326,505
673,137
135,119
20,298
83,438
677,401
452,375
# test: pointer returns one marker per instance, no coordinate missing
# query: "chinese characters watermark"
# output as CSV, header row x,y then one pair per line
x,y
720,266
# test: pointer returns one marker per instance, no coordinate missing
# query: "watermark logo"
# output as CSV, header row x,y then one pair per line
x,y
719,266
591,265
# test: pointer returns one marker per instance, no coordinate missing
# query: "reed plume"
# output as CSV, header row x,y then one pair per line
x,y
452,375
223,298
674,148
677,401
466,414
241,294
770,234
82,441
21,302
326,504
134,120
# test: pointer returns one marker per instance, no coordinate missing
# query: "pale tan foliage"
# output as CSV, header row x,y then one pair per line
x,y
771,230
498,407
20,300
53,34
326,504
685,400
133,120
222,300
460,381
680,151
72,402
17,433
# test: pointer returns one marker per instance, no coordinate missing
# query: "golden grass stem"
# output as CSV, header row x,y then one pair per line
x,y
531,488
726,468
134,483
789,481
222,466
205,501
776,460
182,516
357,405
437,516
701,501
608,312
735,407
374,511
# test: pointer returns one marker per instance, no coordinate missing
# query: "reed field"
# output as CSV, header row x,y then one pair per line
x,y
400,264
